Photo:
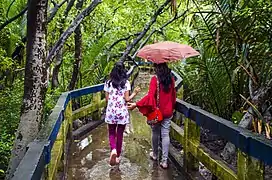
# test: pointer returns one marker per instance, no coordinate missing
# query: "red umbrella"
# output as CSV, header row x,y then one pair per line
x,y
166,52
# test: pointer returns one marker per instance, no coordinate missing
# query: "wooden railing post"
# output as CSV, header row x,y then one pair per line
x,y
68,116
96,102
191,135
68,129
177,118
249,168
58,150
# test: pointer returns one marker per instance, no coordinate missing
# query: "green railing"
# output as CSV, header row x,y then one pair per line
x,y
48,152
254,150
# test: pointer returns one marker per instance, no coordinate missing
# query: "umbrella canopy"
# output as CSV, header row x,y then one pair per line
x,y
166,52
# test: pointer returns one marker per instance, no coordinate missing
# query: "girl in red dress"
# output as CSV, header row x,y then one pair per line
x,y
167,100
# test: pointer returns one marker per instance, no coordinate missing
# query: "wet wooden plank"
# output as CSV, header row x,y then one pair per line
x,y
210,161
176,157
177,133
77,134
86,110
249,168
202,154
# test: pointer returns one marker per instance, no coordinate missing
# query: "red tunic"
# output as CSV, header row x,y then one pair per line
x,y
167,100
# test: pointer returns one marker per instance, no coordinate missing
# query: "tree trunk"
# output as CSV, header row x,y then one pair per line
x,y
78,51
55,75
34,85
59,44
58,61
54,11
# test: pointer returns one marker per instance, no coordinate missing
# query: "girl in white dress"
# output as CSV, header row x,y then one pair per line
x,y
117,116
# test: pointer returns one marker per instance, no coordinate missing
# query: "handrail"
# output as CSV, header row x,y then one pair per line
x,y
250,146
240,137
38,153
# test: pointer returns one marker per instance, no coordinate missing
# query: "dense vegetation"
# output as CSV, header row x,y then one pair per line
x,y
234,38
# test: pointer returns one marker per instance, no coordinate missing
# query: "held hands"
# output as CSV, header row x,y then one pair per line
x,y
131,106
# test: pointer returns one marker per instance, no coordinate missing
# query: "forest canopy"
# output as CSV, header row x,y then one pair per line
x,y
81,40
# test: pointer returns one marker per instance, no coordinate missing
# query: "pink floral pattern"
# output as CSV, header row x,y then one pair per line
x,y
117,112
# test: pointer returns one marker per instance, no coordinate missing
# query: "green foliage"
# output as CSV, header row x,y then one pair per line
x,y
237,117
231,36
10,103
5,61
10,96
51,99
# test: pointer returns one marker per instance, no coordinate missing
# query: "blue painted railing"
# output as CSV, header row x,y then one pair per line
x,y
38,153
254,145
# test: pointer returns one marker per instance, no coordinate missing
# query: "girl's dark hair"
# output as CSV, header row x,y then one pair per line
x,y
164,75
118,76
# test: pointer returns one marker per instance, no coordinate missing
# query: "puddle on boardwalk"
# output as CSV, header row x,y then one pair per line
x,y
90,156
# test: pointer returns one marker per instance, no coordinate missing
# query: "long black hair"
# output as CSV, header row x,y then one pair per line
x,y
164,75
118,76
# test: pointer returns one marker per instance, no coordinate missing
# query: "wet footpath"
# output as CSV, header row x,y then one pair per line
x,y
90,156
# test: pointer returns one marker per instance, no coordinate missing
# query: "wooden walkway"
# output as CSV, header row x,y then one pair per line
x,y
47,156
89,157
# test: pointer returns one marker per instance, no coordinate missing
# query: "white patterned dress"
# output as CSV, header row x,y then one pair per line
x,y
117,112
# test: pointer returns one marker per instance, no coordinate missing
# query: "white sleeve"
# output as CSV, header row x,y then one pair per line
x,y
106,87
128,87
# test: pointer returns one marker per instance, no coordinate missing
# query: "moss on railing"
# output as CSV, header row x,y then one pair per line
x,y
93,109
249,168
44,155
67,126
89,109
